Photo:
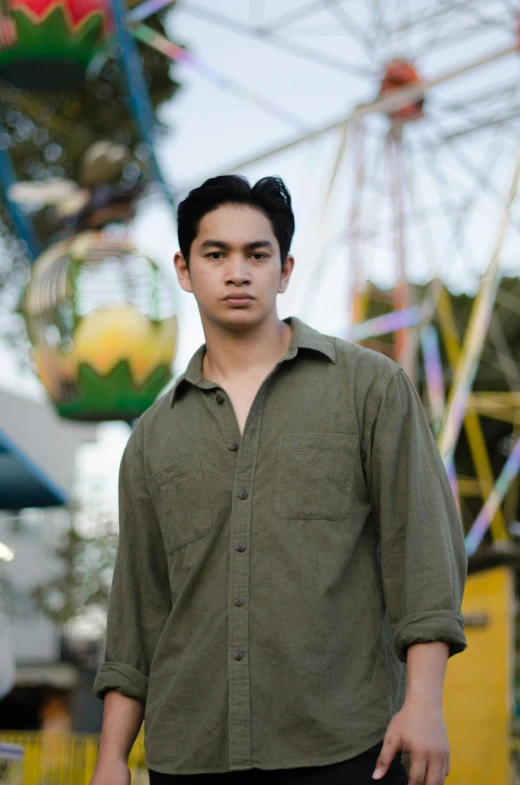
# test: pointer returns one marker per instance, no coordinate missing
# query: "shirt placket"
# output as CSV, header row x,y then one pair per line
x,y
245,448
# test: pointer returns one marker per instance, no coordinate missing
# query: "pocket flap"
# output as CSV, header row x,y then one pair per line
x,y
176,469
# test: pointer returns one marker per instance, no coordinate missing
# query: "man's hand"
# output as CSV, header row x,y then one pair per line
x,y
418,729
113,772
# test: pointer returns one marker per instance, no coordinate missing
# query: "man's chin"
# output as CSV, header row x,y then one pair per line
x,y
240,318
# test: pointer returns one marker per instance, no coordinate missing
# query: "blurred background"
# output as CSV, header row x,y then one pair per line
x,y
396,128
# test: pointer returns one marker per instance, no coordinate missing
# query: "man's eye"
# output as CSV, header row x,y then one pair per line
x,y
260,255
215,254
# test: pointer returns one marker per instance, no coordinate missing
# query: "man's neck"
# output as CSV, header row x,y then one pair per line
x,y
233,355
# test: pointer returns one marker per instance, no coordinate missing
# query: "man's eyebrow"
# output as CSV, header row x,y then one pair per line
x,y
258,244
225,246
214,244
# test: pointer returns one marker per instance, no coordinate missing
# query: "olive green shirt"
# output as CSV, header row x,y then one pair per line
x,y
267,586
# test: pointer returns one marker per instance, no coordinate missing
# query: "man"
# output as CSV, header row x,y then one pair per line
x,y
288,541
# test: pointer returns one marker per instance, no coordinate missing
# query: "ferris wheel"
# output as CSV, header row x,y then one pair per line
x,y
417,182
413,183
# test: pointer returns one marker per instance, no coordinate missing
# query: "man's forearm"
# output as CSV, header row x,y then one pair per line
x,y
426,669
122,719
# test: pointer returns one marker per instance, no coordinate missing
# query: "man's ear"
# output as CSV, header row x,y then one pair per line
x,y
288,267
183,272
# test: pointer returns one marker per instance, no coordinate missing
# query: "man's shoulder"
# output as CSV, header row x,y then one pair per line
x,y
367,364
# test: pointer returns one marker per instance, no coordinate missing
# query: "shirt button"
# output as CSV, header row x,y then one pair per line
x,y
239,600
240,547
220,399
242,494
238,655
232,446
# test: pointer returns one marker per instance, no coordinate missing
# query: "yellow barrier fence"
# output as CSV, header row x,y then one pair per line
x,y
54,758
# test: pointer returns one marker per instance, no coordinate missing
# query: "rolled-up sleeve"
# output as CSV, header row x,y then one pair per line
x,y
140,599
422,552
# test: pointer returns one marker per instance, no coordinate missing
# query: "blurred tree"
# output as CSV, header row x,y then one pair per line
x,y
46,133
86,552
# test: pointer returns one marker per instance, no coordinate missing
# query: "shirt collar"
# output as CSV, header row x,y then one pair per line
x,y
303,337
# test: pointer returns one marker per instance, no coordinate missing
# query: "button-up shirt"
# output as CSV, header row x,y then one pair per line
x,y
267,585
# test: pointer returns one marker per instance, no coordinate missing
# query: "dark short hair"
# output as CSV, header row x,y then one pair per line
x,y
270,195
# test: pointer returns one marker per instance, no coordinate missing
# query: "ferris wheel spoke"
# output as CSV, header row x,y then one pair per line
x,y
438,35
264,34
482,21
497,121
499,361
476,330
162,44
377,187
390,25
350,26
473,11
318,57
458,37
453,211
483,105
419,212
506,361
473,193
480,176
378,23
441,10
316,272
510,301
506,91
296,15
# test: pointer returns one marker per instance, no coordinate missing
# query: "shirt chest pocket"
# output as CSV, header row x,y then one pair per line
x,y
182,502
314,475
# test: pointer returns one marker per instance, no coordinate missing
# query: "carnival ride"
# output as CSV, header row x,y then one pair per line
x,y
99,313
413,191
426,161
391,152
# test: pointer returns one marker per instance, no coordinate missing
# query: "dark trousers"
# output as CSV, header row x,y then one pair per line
x,y
356,771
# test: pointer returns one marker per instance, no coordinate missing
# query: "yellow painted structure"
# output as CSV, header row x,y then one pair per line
x,y
56,758
478,703
479,692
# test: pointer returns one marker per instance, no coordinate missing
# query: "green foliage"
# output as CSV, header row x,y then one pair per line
x,y
86,552
48,131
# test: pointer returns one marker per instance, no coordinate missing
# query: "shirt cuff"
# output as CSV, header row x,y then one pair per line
x,y
123,678
430,626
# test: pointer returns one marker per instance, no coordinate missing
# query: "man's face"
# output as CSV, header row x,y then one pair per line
x,y
235,253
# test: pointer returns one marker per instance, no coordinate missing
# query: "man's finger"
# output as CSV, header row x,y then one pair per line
x,y
418,765
436,770
388,752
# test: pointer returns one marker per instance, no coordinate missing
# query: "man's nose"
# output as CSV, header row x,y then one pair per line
x,y
237,268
